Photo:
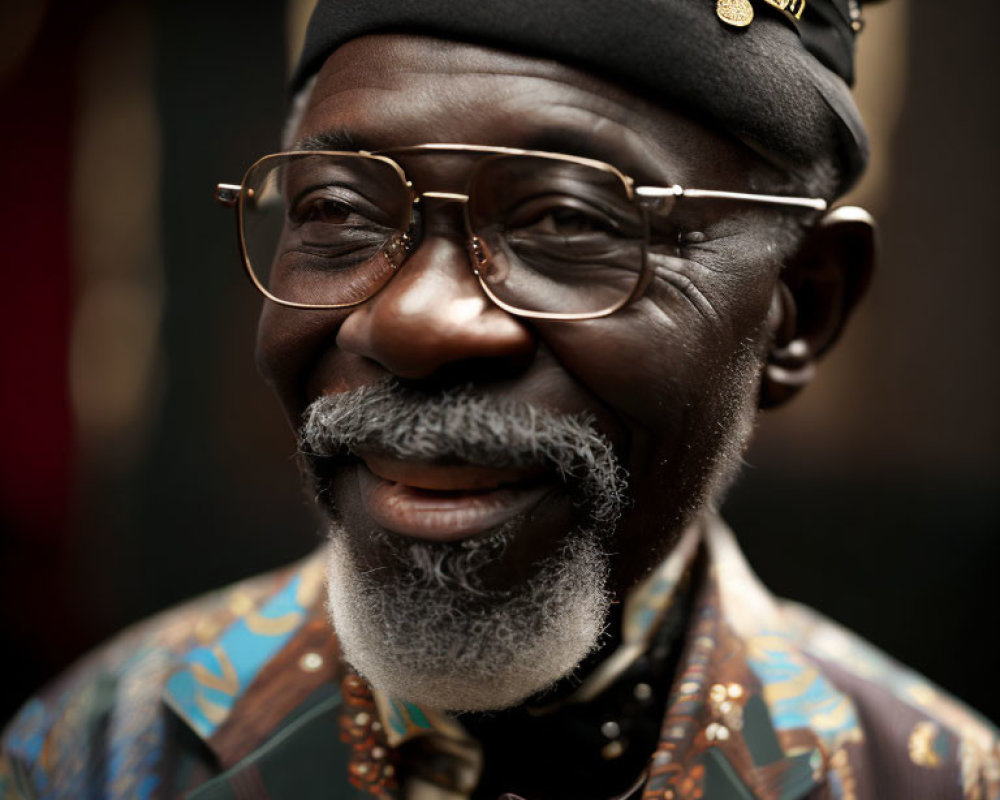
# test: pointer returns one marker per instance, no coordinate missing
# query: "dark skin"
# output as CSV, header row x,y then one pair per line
x,y
658,376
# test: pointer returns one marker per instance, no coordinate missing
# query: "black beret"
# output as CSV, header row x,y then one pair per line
x,y
774,73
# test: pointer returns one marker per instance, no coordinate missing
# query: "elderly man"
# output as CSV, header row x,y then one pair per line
x,y
530,269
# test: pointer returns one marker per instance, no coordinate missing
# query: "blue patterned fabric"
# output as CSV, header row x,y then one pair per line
x,y
212,678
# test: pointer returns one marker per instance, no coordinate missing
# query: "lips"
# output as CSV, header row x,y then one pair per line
x,y
445,502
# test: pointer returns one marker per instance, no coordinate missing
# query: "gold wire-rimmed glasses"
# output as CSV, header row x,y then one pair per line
x,y
550,236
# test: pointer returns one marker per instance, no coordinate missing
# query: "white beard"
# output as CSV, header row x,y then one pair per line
x,y
428,633
451,647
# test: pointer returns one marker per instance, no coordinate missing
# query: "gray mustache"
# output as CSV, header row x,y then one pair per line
x,y
461,425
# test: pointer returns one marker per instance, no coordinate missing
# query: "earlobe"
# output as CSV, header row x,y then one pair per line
x,y
814,297
790,364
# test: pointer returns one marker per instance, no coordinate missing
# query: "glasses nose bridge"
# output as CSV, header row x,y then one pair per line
x,y
474,249
447,197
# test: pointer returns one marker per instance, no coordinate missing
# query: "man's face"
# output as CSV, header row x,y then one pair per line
x,y
669,381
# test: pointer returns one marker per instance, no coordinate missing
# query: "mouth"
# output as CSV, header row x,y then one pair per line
x,y
446,502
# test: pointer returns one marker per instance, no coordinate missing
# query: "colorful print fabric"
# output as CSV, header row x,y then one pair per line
x,y
242,694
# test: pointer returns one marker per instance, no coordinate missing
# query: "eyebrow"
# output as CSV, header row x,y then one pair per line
x,y
569,141
340,139
552,140
549,140
581,143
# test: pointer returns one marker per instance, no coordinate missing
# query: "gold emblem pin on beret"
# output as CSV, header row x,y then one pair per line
x,y
738,13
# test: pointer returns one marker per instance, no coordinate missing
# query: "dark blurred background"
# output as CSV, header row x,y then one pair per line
x,y
143,462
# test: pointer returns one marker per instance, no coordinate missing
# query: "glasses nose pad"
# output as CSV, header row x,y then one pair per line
x,y
398,249
480,257
492,271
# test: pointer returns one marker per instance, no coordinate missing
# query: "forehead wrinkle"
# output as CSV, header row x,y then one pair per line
x,y
461,61
634,152
434,86
641,151
383,78
379,57
408,53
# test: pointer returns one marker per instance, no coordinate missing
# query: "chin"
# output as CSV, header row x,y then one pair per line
x,y
430,638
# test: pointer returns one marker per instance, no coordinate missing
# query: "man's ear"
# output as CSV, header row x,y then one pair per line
x,y
814,296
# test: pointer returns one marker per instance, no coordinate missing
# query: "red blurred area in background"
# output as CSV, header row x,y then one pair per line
x,y
37,452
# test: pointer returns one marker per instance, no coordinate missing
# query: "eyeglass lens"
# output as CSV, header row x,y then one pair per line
x,y
322,229
557,236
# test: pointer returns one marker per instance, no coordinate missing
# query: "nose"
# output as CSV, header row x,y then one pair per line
x,y
433,317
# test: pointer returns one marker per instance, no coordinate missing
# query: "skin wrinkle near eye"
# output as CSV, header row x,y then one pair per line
x,y
689,290
710,256
730,246
714,256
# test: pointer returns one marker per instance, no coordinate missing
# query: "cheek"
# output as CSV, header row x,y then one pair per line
x,y
685,391
626,368
290,342
664,364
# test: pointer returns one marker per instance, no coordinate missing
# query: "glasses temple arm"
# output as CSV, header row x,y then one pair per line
x,y
227,194
653,196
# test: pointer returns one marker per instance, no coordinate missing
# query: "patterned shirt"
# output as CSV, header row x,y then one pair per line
x,y
242,695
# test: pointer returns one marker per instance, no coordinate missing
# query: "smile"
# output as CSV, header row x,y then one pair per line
x,y
446,502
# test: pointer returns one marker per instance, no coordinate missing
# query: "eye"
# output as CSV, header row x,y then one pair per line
x,y
328,206
323,210
564,217
336,223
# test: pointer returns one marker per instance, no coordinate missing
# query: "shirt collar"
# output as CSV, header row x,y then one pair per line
x,y
264,636
750,715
